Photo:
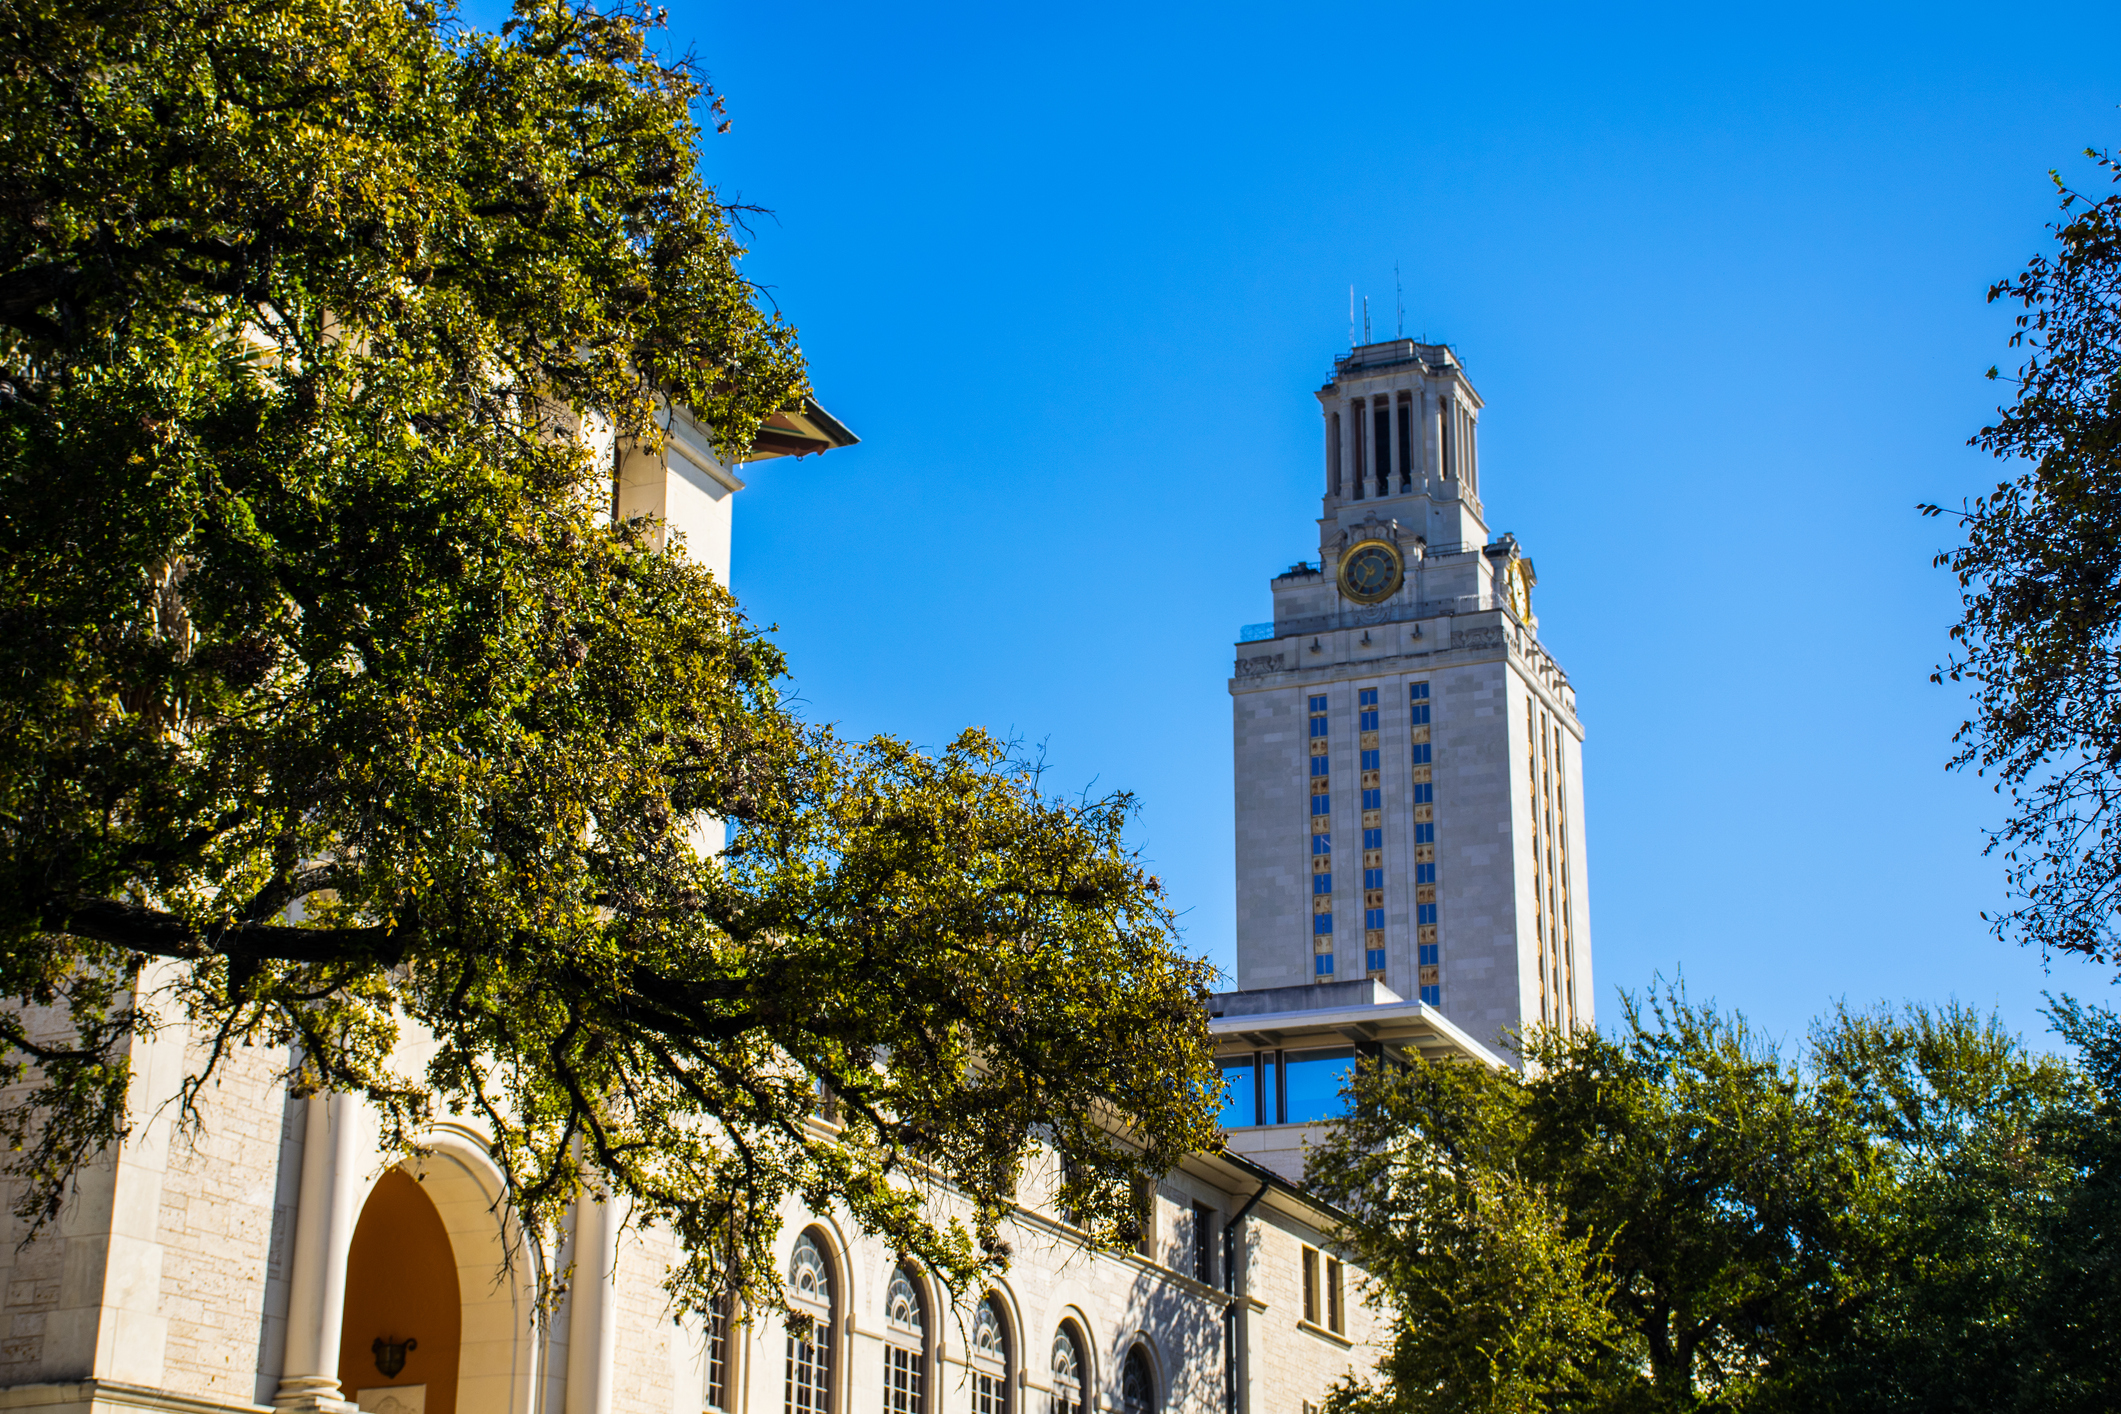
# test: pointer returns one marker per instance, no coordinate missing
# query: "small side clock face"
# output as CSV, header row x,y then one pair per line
x,y
1371,571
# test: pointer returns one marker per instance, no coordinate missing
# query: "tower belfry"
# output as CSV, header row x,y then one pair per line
x,y
1408,758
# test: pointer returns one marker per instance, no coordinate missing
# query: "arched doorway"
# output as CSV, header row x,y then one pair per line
x,y
401,1286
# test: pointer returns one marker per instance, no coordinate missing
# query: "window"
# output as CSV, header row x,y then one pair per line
x,y
809,1382
1322,966
1425,873
1429,953
1432,996
1335,1320
1381,425
1370,761
1373,799
1424,794
1373,839
1321,924
1319,765
1373,918
905,1329
1424,913
1241,1095
1373,878
1355,446
1311,1285
1312,1082
1366,697
1067,1370
1333,456
1137,1385
1145,1218
1367,721
1418,691
717,1390
1375,959
1321,844
1321,804
1321,883
1422,754
990,1360
1318,706
1203,1254
1424,834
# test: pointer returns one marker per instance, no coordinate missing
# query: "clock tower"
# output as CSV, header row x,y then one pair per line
x,y
1409,762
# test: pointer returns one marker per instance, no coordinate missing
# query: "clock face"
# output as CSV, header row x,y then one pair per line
x,y
1370,572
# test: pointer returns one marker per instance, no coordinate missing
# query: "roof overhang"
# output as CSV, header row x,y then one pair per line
x,y
799,431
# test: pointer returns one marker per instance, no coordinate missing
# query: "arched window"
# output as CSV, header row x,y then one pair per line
x,y
905,1344
1067,1370
1137,1384
810,1355
990,1360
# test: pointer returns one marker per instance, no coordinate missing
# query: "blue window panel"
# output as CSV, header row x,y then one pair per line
x,y
1418,691
1321,883
1420,711
1424,873
1373,799
1321,924
1432,996
1368,721
1376,959
1423,913
1318,726
1321,844
1324,967
1428,954
1424,794
1315,1080
1240,1092
1371,759
1373,918
1321,805
1319,766
1318,704
1373,839
1373,878
1366,698
1421,753
1425,834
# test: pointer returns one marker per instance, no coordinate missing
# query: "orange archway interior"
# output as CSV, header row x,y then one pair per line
x,y
401,1283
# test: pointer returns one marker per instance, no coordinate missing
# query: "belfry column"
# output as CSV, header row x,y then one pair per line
x,y
324,1226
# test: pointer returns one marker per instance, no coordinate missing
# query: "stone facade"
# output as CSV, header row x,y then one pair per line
x,y
1478,810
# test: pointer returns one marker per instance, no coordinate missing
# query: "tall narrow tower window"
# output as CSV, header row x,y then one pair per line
x,y
1333,455
1355,444
1447,429
1321,844
1381,426
1406,441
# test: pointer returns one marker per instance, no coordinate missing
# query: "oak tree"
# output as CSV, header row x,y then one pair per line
x,y
335,708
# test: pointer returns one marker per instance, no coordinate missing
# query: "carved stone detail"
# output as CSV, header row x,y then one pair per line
x,y
1260,666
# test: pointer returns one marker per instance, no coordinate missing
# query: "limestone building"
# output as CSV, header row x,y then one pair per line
x,y
1408,760
277,1262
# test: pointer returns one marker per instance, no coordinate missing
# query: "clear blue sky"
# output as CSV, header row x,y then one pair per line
x,y
1718,272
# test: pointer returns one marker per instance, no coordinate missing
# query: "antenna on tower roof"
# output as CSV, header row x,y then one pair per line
x,y
1399,299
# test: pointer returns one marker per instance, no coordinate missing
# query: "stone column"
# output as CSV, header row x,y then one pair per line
x,y
324,1226
593,1302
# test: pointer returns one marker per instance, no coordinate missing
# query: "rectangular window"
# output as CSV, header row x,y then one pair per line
x,y
1418,691
1311,1084
1429,952
1203,1254
1373,839
1373,918
1322,923
1324,967
1319,766
1335,1316
1373,800
1418,714
1318,726
1381,428
1424,794
1367,721
1366,697
1240,1091
1322,883
718,1353
1321,844
1372,760
1423,913
1406,442
1424,873
1432,996
1373,878
1421,754
1424,834
1318,705
1377,960
1311,1285
1321,804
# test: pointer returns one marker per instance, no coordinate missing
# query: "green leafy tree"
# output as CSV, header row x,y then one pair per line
x,y
334,704
2039,635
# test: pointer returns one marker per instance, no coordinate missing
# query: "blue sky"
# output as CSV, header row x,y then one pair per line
x,y
1718,272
